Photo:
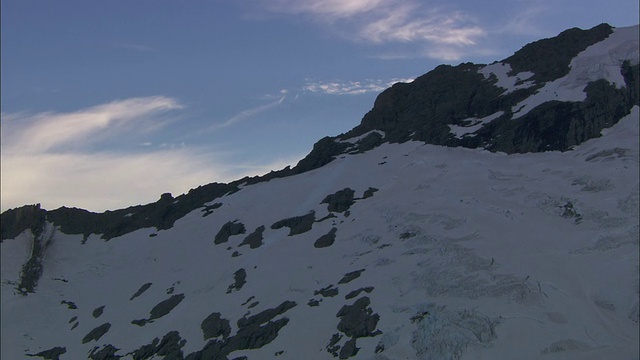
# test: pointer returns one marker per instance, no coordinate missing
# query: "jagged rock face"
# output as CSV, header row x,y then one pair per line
x,y
548,59
422,109
425,109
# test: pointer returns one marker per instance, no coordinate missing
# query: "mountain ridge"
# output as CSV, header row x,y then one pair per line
x,y
544,129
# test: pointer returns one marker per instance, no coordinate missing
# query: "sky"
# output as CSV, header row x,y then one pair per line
x,y
109,104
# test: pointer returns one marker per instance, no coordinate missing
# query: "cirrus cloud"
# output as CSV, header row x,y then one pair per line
x,y
338,87
50,131
392,21
52,159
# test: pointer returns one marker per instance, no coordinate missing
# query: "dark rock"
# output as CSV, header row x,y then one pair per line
x,y
235,254
324,151
254,336
314,302
370,141
164,307
568,211
358,320
253,304
419,317
142,289
423,109
549,59
556,125
96,333
208,210
161,214
214,326
73,319
140,322
332,347
229,229
145,351
171,346
248,300
297,224
357,292
213,350
349,349
70,304
15,221
239,278
253,333
340,201
254,240
328,291
108,352
266,315
369,192
32,268
74,325
326,240
51,354
329,216
407,235
348,277
98,311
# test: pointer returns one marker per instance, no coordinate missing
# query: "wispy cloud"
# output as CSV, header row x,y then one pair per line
x,y
50,131
50,158
249,113
350,87
436,26
326,8
132,46
526,22
392,21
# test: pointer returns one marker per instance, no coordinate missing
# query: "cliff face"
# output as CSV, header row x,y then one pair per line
x,y
462,96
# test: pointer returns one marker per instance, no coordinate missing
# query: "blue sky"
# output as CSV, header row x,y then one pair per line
x,y
107,104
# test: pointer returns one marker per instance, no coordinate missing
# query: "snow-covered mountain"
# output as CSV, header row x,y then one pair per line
x,y
479,212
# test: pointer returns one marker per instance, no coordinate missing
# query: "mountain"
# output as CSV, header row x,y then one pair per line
x,y
479,212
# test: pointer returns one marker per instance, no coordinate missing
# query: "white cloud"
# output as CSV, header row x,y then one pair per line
x,y
329,8
49,131
350,87
136,47
249,113
436,26
47,158
391,21
526,22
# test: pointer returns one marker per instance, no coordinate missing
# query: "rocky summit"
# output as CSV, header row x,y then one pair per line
x,y
478,212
